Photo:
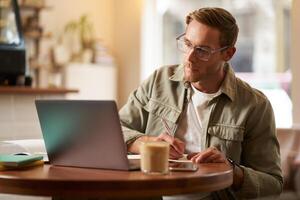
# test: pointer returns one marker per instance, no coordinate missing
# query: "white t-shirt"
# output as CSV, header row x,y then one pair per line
x,y
190,129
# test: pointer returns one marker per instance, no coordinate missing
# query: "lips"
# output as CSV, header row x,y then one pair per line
x,y
192,68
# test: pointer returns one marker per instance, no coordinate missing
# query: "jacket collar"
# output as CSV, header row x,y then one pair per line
x,y
228,86
178,74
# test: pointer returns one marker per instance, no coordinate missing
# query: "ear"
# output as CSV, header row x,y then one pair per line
x,y
228,53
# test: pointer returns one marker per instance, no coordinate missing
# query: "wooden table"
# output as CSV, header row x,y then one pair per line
x,y
58,181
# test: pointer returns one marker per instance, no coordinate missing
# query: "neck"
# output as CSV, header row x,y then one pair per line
x,y
210,85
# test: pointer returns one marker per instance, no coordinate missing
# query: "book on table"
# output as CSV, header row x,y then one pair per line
x,y
10,160
32,164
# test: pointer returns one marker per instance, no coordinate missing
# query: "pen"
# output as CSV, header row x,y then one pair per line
x,y
169,131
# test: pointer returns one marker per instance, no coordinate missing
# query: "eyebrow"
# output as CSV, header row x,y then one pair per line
x,y
201,46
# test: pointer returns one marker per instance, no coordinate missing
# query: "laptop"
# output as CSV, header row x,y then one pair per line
x,y
82,133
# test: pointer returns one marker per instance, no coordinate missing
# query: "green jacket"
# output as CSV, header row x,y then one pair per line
x,y
240,124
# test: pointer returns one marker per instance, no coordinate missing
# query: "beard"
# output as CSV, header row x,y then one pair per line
x,y
192,73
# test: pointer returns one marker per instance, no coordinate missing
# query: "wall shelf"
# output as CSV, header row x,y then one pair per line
x,y
33,7
29,90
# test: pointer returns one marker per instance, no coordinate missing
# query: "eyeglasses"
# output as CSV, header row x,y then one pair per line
x,y
202,53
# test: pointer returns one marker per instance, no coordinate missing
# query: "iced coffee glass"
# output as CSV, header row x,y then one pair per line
x,y
154,157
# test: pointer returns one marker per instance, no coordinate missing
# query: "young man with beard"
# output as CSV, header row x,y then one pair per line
x,y
214,115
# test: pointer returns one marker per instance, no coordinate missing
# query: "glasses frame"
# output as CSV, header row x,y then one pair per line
x,y
209,51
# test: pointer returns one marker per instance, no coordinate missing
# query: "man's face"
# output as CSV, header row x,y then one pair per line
x,y
200,35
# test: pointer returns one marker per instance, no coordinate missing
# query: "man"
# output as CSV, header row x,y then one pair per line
x,y
214,116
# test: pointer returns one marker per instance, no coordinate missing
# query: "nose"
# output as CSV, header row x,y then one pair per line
x,y
190,55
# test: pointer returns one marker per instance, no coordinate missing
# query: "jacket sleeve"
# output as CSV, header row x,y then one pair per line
x,y
133,116
260,159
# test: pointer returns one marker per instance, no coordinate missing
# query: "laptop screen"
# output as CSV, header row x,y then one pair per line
x,y
82,133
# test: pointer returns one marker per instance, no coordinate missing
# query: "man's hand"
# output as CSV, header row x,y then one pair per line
x,y
209,155
213,155
176,146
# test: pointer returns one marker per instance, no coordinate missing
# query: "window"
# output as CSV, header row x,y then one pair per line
x,y
262,57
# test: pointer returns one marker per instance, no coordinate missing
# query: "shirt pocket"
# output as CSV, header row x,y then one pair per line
x,y
157,111
228,139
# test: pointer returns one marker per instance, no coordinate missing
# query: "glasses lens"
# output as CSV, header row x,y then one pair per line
x,y
181,45
202,53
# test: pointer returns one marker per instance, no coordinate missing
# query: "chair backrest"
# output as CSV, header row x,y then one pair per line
x,y
289,141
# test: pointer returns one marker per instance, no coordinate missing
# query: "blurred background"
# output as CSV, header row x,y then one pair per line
x,y
263,46
103,49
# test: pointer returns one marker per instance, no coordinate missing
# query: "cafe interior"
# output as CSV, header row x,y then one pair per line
x,y
103,50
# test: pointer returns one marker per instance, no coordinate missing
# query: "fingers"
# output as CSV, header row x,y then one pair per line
x,y
179,146
206,154
210,155
174,154
190,156
176,146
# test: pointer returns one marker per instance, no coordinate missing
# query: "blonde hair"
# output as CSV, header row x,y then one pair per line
x,y
220,19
